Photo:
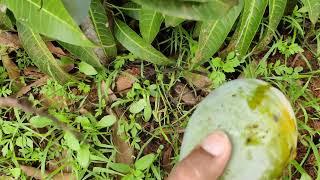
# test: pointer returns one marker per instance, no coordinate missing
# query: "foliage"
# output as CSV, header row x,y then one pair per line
x,y
72,55
219,68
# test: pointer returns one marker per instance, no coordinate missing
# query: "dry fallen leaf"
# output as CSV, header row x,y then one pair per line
x,y
166,159
54,164
10,40
55,50
124,82
32,72
36,174
198,80
11,67
126,79
24,90
185,93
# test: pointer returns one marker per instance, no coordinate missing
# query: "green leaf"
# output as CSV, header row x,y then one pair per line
x,y
15,172
86,54
197,29
250,21
83,155
172,21
137,106
276,11
51,20
40,54
4,150
147,113
87,69
145,162
214,33
8,129
71,141
119,167
190,10
107,121
40,122
78,9
150,22
313,8
21,142
217,62
136,45
84,121
132,10
100,22
5,22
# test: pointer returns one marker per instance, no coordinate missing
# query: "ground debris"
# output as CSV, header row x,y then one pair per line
x,y
315,87
11,67
127,78
24,90
186,94
55,50
200,81
125,153
36,174
10,40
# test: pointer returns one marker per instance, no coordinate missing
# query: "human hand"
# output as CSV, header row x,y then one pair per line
x,y
207,161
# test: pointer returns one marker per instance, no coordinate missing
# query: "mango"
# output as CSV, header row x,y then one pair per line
x,y
259,121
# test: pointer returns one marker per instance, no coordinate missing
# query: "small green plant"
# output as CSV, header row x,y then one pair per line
x,y
5,91
3,75
220,67
288,49
54,89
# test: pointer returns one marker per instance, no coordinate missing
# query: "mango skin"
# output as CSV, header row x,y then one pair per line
x,y
259,121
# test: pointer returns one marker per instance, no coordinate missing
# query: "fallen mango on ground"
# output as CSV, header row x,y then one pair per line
x,y
259,121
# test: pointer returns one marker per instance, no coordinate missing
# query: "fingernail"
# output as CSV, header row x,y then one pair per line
x,y
216,144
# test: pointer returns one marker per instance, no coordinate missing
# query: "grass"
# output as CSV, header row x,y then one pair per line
x,y
152,113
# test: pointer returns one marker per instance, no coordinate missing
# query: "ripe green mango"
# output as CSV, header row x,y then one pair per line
x,y
259,121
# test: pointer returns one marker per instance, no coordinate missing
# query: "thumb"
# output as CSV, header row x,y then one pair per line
x,y
207,161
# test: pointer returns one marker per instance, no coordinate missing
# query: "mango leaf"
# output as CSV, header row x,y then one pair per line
x,y
78,9
250,21
197,29
213,34
5,22
87,69
135,44
132,10
313,8
101,25
83,155
86,54
52,20
144,162
150,22
172,21
276,11
208,10
40,54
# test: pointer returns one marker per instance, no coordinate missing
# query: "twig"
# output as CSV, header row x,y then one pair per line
x,y
27,107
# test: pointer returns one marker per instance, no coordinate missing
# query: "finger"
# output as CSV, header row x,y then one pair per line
x,y
205,162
